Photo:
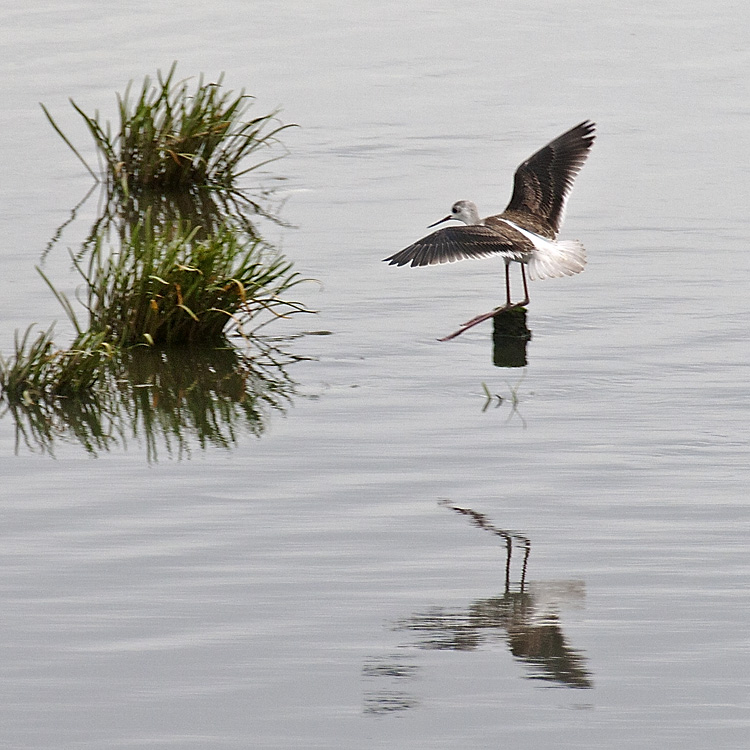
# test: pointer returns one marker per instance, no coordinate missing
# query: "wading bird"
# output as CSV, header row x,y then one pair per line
x,y
525,232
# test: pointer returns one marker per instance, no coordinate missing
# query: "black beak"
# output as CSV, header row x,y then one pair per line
x,y
447,218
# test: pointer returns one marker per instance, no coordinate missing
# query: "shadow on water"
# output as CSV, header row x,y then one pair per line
x,y
170,401
525,616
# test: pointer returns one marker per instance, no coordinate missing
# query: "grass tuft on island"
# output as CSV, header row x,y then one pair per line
x,y
169,288
187,277
170,139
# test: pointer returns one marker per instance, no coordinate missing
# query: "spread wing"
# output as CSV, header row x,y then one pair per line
x,y
543,182
467,241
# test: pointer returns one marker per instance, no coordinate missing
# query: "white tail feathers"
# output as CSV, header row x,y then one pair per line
x,y
554,259
551,259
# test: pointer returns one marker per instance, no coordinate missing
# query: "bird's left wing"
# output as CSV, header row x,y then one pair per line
x,y
458,243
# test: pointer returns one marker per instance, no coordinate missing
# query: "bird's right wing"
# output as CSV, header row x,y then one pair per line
x,y
542,184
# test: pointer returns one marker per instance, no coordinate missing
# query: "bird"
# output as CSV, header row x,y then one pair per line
x,y
526,231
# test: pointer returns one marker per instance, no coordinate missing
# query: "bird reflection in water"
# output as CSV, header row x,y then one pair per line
x,y
525,616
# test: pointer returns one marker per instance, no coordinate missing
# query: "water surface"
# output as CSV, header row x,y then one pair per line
x,y
313,584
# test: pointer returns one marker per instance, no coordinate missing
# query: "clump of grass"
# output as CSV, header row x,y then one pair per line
x,y
187,268
38,370
170,288
171,139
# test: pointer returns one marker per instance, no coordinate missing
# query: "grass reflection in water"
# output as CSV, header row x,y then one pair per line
x,y
171,401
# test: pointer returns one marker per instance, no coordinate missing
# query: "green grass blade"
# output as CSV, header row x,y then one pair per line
x,y
70,145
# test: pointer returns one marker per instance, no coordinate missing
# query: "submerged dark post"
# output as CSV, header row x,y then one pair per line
x,y
509,338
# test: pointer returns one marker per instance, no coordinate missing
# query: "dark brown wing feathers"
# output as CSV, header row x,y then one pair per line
x,y
542,183
457,243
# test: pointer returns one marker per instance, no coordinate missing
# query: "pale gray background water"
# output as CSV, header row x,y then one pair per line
x,y
261,596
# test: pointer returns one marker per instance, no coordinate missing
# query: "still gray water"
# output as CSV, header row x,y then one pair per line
x,y
393,560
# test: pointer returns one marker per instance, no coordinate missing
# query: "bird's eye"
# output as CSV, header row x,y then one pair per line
x,y
454,209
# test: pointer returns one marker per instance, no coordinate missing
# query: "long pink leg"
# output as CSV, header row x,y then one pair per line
x,y
486,316
507,306
475,321
525,288
507,282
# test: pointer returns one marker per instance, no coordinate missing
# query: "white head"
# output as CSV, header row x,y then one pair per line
x,y
465,211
